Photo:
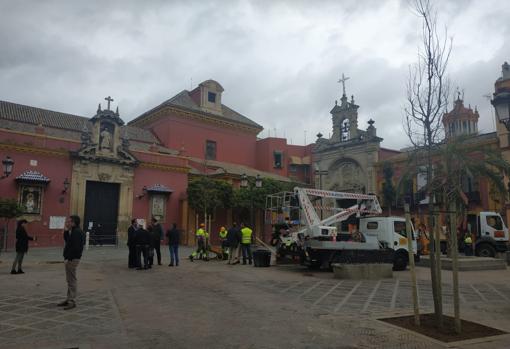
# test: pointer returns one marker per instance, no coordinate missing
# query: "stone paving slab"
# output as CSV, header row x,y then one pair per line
x,y
267,307
27,317
368,296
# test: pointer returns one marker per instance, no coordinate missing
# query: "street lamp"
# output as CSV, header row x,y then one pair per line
x,y
8,164
501,103
258,182
245,185
244,181
320,173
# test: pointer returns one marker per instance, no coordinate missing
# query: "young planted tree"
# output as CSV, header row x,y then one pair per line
x,y
255,198
427,99
458,159
9,209
206,194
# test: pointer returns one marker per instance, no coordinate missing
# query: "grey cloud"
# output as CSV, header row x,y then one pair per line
x,y
278,60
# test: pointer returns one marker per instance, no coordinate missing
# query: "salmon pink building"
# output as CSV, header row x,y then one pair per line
x,y
109,172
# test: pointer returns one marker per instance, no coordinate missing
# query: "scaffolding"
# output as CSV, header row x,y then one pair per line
x,y
282,208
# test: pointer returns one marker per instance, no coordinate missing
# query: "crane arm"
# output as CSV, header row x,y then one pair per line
x,y
310,214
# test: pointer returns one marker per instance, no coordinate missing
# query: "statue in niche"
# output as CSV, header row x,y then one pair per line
x,y
106,139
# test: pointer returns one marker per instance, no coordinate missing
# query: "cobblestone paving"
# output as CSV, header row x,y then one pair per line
x,y
30,318
367,297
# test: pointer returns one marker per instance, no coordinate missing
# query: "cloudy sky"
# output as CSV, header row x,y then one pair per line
x,y
279,61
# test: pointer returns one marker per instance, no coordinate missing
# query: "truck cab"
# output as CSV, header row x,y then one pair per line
x,y
491,233
391,232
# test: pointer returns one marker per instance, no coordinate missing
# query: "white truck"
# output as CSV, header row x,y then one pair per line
x,y
317,241
491,233
391,232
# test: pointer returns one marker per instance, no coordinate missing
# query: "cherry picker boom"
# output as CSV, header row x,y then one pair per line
x,y
318,243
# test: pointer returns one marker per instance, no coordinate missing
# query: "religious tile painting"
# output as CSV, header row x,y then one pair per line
x,y
158,207
30,199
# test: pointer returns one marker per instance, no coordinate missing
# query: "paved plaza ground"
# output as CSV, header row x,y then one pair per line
x,y
213,305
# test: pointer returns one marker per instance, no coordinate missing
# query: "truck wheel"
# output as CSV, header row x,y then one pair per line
x,y
400,261
315,265
485,250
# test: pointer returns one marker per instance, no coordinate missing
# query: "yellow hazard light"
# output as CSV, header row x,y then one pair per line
x,y
402,241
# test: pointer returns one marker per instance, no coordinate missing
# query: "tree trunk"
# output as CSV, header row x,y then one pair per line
x,y
436,295
439,291
410,240
455,265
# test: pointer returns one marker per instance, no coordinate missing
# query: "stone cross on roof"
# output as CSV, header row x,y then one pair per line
x,y
343,80
108,99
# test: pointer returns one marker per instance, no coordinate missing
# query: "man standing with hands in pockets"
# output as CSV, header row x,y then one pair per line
x,y
73,249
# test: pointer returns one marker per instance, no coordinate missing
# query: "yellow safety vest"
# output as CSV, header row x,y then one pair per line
x,y
201,233
246,235
223,234
468,240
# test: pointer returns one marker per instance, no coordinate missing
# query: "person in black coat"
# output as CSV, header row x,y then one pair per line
x,y
157,235
173,236
233,241
22,239
132,244
143,241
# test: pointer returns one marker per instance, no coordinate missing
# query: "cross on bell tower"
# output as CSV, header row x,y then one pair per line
x,y
108,99
342,81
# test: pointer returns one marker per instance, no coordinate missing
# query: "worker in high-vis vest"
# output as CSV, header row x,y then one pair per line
x,y
468,245
201,251
246,240
223,239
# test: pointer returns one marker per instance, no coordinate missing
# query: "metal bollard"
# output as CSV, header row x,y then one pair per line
x,y
87,238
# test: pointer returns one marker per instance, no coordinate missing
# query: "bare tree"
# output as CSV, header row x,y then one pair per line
x,y
428,89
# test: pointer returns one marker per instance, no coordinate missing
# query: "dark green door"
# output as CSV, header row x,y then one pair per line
x,y
101,212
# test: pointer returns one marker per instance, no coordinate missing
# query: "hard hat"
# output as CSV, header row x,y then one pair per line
x,y
202,224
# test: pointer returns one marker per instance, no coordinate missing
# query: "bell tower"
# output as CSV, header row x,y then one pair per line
x,y
344,117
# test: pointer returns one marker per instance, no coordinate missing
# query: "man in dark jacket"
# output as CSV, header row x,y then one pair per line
x,y
73,249
173,245
143,240
132,244
233,240
157,236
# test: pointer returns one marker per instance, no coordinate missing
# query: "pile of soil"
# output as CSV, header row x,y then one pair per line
x,y
428,327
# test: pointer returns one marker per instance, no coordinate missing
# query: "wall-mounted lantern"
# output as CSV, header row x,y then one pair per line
x,y
66,186
144,192
8,165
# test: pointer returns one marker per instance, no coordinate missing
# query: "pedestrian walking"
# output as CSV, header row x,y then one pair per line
x,y
201,237
173,236
22,239
132,244
74,240
233,240
157,236
246,240
143,240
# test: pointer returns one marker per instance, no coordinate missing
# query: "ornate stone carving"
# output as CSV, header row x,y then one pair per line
x,y
104,177
108,142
